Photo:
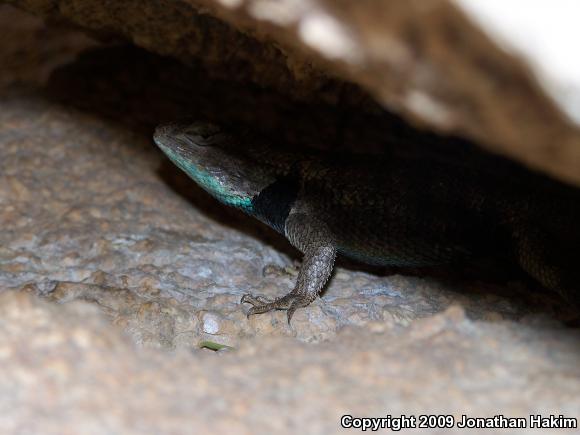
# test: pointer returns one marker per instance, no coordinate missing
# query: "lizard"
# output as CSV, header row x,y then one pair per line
x,y
383,209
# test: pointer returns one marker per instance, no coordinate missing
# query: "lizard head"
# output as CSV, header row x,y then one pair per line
x,y
229,169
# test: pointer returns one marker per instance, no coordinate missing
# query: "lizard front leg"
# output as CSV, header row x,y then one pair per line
x,y
312,237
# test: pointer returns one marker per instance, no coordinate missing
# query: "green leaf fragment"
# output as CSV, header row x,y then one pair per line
x,y
212,345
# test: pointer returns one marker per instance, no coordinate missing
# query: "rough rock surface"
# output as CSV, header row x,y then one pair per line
x,y
66,370
426,60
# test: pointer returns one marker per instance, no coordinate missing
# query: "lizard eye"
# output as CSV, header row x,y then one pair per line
x,y
203,134
201,140
206,140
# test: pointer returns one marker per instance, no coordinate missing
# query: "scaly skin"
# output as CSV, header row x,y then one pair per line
x,y
384,210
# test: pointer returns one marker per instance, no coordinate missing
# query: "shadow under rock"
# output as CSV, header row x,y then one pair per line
x,y
141,90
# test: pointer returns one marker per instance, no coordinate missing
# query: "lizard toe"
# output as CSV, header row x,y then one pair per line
x,y
290,302
257,300
299,301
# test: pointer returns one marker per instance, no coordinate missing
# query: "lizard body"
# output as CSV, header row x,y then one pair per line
x,y
383,210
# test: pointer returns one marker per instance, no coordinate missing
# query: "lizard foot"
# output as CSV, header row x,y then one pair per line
x,y
290,302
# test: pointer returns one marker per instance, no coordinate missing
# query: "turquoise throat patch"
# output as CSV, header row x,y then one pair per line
x,y
209,183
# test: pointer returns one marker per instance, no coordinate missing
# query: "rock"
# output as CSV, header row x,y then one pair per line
x,y
30,50
66,369
430,61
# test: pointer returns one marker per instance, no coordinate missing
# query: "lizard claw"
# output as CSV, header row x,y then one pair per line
x,y
257,303
299,301
290,302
